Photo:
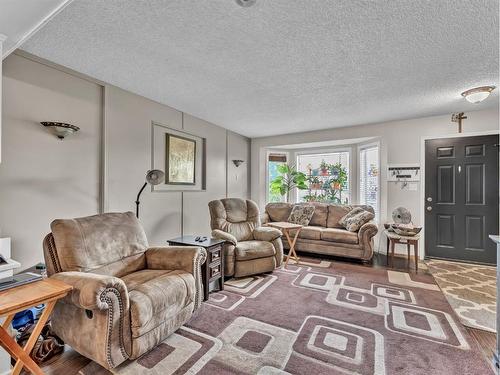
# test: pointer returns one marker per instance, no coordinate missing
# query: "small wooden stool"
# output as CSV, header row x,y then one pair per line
x,y
393,238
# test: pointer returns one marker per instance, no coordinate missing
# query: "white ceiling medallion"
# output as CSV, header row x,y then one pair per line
x,y
245,3
478,94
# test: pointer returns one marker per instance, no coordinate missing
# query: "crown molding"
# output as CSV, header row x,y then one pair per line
x,y
37,27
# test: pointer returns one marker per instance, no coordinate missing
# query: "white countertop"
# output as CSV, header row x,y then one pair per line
x,y
495,238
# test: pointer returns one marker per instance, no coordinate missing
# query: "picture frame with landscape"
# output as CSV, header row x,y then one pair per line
x,y
180,160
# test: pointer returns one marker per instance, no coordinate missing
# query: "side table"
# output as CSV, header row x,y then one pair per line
x,y
20,298
393,238
285,227
212,271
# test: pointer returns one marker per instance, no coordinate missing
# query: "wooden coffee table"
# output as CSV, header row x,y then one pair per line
x,y
285,228
20,298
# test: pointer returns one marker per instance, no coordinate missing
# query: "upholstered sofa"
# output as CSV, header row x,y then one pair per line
x,y
127,297
249,249
324,234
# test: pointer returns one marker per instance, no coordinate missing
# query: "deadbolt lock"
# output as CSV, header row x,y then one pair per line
x,y
429,208
429,199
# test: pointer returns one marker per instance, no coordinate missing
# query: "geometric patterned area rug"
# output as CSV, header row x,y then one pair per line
x,y
470,290
319,317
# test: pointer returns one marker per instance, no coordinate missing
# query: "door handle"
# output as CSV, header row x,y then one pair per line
x,y
429,208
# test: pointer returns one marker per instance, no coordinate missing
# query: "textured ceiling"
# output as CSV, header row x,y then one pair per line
x,y
284,66
20,19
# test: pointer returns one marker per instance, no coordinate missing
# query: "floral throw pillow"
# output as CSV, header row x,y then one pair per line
x,y
353,212
301,214
355,219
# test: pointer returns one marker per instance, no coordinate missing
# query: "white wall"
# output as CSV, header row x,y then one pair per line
x,y
400,142
42,178
238,178
2,40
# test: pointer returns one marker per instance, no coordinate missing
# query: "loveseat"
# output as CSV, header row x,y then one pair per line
x,y
324,234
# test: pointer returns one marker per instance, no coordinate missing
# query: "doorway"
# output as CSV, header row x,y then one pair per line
x,y
461,198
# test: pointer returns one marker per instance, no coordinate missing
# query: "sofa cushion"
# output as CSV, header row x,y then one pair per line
x,y
339,235
248,250
301,214
134,279
320,215
335,213
309,233
158,298
278,211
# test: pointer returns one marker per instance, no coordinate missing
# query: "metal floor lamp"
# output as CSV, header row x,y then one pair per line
x,y
153,177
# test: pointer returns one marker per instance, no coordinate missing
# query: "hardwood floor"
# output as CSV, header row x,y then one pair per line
x,y
70,362
487,342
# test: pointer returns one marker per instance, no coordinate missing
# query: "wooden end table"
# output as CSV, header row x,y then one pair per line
x,y
20,298
393,238
213,268
285,228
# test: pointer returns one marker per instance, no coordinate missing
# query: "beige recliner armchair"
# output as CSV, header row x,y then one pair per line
x,y
127,297
249,249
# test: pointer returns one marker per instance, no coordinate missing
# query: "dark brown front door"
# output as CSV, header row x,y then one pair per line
x,y
461,198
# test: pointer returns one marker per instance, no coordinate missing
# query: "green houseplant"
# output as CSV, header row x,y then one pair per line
x,y
288,180
337,182
324,167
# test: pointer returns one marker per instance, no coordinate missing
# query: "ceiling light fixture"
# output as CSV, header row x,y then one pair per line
x,y
245,3
478,94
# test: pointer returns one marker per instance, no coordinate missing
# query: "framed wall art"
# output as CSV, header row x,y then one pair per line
x,y
181,155
180,160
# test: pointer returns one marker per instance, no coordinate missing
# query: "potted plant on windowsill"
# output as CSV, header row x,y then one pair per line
x,y
288,180
337,183
314,183
324,168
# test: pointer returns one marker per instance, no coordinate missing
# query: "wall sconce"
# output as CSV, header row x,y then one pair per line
x,y
238,162
60,129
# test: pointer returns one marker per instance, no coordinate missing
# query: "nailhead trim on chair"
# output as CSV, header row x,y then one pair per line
x,y
105,298
197,262
50,246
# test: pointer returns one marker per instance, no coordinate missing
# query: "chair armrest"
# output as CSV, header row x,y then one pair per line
x,y
183,258
221,235
266,234
90,290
